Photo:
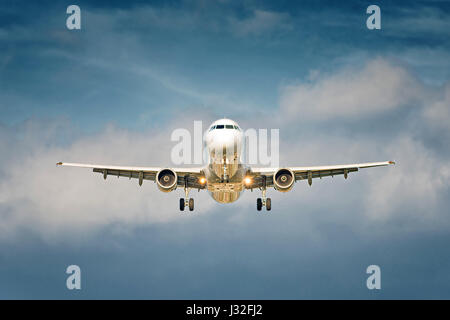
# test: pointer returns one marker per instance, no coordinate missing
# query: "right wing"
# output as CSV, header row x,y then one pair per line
x,y
188,177
260,175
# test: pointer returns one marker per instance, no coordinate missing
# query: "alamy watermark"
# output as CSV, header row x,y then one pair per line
x,y
74,279
374,280
252,146
73,21
374,20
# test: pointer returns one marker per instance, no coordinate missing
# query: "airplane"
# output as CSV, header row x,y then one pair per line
x,y
225,176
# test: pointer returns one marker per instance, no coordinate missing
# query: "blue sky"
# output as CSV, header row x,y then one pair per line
x,y
113,91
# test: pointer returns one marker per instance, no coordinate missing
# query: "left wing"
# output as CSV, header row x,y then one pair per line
x,y
261,176
188,177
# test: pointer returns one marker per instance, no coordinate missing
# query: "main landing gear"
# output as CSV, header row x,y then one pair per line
x,y
186,202
266,202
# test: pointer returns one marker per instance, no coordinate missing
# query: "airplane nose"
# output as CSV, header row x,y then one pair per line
x,y
225,143
227,140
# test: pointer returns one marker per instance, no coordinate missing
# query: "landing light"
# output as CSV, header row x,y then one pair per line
x,y
202,180
247,180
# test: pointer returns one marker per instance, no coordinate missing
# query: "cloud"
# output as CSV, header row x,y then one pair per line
x,y
410,195
57,202
260,22
378,87
52,201
414,193
438,112
428,20
208,17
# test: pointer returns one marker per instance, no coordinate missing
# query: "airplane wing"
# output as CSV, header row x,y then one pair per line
x,y
189,177
261,176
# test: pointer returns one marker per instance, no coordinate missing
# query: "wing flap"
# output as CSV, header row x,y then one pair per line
x,y
303,175
126,173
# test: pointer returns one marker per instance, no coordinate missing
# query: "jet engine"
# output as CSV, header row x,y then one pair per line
x,y
283,180
166,180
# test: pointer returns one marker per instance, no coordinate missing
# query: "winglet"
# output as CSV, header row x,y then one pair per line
x,y
59,164
391,162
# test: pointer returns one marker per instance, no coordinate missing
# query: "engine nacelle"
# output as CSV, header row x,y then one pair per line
x,y
166,180
283,180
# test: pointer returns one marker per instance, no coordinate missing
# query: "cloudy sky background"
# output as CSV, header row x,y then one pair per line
x,y
113,92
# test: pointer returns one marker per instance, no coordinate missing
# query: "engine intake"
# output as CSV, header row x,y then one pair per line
x,y
166,180
283,180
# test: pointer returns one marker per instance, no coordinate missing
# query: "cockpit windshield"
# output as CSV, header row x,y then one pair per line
x,y
225,126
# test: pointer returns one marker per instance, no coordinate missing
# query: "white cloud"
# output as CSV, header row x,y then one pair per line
x,y
415,191
438,112
411,194
53,201
351,93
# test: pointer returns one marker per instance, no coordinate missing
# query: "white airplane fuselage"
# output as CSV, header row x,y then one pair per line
x,y
224,172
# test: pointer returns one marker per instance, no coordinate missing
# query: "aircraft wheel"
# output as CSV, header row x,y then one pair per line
x,y
191,204
268,204
181,204
258,204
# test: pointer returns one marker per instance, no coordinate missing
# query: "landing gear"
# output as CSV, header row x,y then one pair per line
x,y
258,204
186,202
266,202
182,204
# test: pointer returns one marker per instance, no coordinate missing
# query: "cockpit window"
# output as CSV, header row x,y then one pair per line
x,y
225,126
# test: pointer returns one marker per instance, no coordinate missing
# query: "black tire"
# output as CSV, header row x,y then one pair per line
x,y
191,204
181,204
258,204
268,204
